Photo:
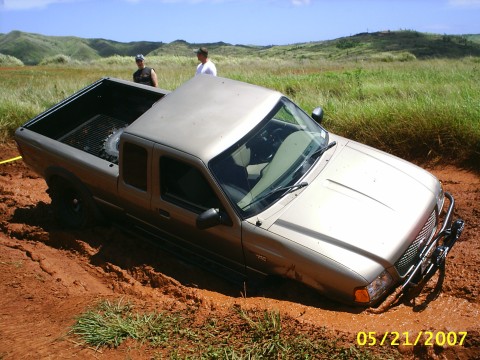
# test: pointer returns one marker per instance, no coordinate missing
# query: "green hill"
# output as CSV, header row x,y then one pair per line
x,y
399,44
32,48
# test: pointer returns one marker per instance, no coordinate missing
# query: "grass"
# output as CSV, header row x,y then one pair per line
x,y
424,110
239,334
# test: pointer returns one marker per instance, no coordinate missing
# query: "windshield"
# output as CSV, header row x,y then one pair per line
x,y
270,158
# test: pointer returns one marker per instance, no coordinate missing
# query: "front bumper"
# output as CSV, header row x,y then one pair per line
x,y
433,255
430,259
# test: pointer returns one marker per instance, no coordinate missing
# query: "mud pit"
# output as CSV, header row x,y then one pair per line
x,y
48,276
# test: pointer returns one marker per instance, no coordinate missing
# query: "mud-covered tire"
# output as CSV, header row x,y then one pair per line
x,y
72,205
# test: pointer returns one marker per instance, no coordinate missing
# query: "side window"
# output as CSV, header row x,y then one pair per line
x,y
185,185
135,166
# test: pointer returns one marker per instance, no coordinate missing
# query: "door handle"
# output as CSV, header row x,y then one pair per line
x,y
163,213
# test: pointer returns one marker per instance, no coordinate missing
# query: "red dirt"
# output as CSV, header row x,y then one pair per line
x,y
48,276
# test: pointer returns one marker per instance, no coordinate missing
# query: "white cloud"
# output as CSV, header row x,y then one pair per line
x,y
465,3
39,4
300,2
30,4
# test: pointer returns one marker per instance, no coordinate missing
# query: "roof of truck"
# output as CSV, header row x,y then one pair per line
x,y
205,115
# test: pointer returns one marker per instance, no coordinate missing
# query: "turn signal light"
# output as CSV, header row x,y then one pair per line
x,y
362,296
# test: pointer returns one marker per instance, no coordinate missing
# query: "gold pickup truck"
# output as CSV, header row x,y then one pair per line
x,y
239,179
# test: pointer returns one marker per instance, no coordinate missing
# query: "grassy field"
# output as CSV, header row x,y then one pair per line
x,y
425,110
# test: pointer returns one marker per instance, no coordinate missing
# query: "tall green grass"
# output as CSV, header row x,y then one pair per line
x,y
424,110
237,334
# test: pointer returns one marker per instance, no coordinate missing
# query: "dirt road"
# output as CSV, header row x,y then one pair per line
x,y
48,276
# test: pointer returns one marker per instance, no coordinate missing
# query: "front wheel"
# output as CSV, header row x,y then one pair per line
x,y
73,207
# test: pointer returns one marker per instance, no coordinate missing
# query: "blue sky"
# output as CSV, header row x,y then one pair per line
x,y
247,22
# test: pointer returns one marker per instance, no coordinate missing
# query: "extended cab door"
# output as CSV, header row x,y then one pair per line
x,y
182,189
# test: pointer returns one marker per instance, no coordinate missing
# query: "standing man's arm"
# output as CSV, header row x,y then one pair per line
x,y
153,74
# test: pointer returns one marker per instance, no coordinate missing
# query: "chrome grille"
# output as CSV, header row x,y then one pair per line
x,y
411,255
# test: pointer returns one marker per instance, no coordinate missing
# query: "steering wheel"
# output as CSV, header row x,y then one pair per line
x,y
285,157
272,140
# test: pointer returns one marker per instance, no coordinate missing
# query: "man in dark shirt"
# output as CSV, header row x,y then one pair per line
x,y
144,75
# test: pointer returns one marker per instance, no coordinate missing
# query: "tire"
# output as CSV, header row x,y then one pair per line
x,y
73,206
109,149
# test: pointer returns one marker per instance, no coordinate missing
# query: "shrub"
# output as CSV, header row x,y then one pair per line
x,y
7,60
392,57
58,60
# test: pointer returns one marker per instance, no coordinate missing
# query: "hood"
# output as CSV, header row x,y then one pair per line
x,y
365,202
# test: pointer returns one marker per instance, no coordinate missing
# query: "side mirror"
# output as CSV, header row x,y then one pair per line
x,y
317,114
212,217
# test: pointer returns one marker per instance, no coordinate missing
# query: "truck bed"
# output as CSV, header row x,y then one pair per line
x,y
88,119
92,135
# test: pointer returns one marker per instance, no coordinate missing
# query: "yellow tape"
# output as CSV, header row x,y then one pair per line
x,y
9,160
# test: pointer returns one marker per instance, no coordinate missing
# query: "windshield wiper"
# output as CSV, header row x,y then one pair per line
x,y
278,189
320,151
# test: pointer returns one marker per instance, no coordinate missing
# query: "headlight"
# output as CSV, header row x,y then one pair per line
x,y
440,199
374,290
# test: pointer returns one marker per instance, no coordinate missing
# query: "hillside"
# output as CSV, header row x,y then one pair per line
x,y
31,48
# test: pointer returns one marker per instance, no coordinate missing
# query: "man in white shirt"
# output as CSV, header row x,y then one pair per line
x,y
206,66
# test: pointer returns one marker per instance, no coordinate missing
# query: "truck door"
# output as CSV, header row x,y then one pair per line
x,y
182,189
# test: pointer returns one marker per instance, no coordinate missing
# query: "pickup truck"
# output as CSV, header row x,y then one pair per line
x,y
238,178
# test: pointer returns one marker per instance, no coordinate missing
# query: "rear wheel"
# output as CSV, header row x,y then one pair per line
x,y
73,206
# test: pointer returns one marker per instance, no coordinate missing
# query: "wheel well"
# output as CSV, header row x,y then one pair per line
x,y
58,176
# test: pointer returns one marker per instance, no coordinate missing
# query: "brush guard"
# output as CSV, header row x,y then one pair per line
x,y
431,259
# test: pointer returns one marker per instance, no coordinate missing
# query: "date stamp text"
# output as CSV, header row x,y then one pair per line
x,y
425,338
